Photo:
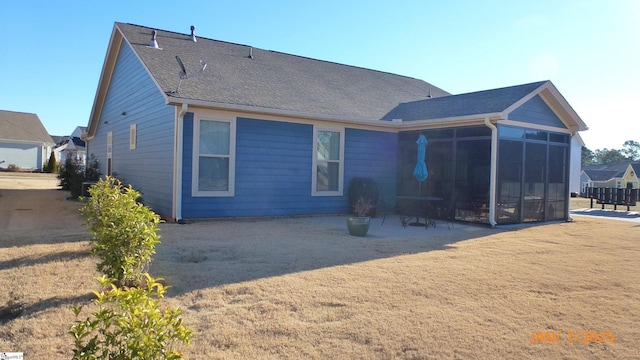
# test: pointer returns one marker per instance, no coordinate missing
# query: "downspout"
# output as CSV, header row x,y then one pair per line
x,y
494,171
177,171
567,206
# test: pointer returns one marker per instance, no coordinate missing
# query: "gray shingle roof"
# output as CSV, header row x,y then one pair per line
x,y
603,172
602,175
271,79
19,126
480,102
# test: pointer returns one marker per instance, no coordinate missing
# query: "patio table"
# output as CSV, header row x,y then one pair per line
x,y
417,207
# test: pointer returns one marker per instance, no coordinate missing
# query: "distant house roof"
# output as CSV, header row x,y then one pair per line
x,y
604,172
602,175
23,127
59,139
78,143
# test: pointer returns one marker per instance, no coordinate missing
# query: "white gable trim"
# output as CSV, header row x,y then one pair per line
x,y
556,102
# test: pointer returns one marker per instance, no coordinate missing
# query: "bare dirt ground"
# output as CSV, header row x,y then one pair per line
x,y
303,288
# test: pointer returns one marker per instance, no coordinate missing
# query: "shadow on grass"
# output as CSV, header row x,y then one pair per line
x,y
43,259
14,308
213,253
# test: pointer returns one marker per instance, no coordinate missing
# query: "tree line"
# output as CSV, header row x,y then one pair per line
x,y
630,151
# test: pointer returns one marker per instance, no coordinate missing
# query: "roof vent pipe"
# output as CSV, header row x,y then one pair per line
x,y
193,34
153,43
429,96
251,53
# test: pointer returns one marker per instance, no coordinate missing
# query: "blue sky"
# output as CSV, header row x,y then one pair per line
x,y
52,51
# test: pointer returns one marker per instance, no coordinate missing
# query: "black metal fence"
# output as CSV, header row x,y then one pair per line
x,y
613,196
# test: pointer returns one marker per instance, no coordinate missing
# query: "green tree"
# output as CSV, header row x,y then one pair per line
x,y
609,156
52,164
588,156
631,150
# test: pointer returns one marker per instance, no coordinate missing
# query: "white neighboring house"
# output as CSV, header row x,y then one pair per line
x,y
24,142
72,147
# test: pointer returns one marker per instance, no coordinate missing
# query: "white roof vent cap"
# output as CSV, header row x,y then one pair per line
x,y
154,43
193,34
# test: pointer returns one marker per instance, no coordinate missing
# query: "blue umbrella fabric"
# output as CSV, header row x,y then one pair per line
x,y
420,171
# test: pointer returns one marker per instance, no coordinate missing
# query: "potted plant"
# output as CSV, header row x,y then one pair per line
x,y
358,222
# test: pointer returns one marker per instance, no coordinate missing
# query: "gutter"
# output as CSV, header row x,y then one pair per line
x,y
378,124
494,171
177,162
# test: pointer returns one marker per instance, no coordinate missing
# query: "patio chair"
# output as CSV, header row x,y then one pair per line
x,y
449,214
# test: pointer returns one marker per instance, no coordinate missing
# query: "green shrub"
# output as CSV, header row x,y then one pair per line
x,y
93,169
52,165
124,231
71,177
129,324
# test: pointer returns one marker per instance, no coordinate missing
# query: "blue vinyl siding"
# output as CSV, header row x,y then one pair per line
x,y
274,170
133,98
536,111
374,155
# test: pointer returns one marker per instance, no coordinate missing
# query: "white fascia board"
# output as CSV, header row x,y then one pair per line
x,y
535,126
29,142
456,121
283,115
380,125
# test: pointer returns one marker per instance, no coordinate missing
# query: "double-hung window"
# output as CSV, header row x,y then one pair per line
x,y
213,156
328,162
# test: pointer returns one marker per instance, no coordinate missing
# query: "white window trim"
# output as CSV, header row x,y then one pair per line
x,y
213,116
314,176
133,136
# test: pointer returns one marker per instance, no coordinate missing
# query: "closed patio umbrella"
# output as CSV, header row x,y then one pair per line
x,y
420,171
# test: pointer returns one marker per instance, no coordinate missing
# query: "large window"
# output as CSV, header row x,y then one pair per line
x,y
328,162
213,157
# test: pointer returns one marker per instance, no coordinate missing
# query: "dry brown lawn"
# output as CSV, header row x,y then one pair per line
x,y
302,288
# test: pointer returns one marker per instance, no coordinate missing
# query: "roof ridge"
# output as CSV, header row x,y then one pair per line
x,y
187,35
280,52
504,87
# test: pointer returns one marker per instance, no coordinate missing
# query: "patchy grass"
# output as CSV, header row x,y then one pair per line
x,y
295,288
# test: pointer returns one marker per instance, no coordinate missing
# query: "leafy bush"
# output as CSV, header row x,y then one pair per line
x,y
93,169
71,177
13,168
124,231
129,324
